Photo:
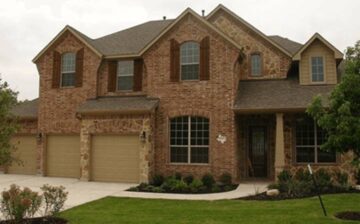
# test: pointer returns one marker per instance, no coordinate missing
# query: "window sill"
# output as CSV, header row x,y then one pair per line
x,y
188,164
317,164
67,87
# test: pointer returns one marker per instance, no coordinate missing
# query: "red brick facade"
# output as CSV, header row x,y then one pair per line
x,y
213,99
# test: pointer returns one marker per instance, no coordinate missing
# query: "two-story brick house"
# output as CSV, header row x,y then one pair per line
x,y
193,95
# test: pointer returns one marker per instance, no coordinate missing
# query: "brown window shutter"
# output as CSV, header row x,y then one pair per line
x,y
138,70
56,70
174,61
205,59
112,76
79,67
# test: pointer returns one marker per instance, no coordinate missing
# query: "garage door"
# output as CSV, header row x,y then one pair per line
x,y
63,156
115,158
26,152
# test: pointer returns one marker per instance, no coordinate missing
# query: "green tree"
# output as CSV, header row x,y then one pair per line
x,y
8,123
341,118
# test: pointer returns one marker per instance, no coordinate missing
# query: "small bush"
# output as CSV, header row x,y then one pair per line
x,y
323,180
208,180
226,179
178,176
169,183
284,176
157,180
189,179
180,187
357,177
17,204
196,185
228,188
302,175
216,188
54,198
342,179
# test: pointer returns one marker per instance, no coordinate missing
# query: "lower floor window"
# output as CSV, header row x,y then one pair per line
x,y
309,138
189,140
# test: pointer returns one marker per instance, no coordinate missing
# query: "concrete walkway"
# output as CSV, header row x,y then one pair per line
x,y
82,192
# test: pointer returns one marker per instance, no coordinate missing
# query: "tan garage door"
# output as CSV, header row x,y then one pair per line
x,y
63,156
115,158
26,153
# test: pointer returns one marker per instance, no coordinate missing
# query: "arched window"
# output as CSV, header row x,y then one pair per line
x,y
256,64
189,60
189,139
68,70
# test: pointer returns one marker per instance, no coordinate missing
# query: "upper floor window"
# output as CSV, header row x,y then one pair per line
x,y
189,60
317,69
125,75
256,64
68,69
189,140
309,138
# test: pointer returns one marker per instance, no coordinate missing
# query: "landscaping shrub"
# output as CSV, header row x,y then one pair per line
x,y
216,188
226,178
178,176
169,183
181,187
208,180
54,198
357,177
323,180
189,179
157,180
196,186
17,204
342,180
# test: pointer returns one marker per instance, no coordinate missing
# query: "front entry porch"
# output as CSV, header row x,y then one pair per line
x,y
261,152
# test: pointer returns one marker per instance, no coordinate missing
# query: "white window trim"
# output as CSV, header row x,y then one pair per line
x,y
188,146
189,63
316,147
311,73
123,75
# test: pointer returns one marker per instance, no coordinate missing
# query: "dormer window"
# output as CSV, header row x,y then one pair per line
x,y
189,60
317,69
125,75
68,69
256,65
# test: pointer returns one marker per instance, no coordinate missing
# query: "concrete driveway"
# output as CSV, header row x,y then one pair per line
x,y
79,192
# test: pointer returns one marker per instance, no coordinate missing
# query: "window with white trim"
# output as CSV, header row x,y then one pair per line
x,y
125,75
189,139
309,138
256,64
189,60
68,69
317,69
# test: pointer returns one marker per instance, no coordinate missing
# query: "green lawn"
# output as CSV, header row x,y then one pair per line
x,y
126,210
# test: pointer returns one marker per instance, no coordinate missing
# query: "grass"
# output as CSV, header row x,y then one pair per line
x,y
126,210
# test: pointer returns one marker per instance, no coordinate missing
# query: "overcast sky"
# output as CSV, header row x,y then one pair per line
x,y
26,26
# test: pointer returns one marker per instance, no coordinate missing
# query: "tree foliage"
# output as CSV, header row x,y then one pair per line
x,y
341,117
8,123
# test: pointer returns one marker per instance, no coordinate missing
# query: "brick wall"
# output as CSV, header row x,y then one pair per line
x,y
275,63
212,99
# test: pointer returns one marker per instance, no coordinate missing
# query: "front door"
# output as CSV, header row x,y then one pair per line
x,y
257,152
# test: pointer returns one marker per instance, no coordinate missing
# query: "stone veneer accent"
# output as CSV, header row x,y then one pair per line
x,y
343,161
117,124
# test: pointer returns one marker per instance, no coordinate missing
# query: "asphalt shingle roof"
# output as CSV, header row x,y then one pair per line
x,y
291,46
273,95
26,110
121,105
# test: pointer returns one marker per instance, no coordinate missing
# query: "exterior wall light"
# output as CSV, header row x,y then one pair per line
x,y
143,136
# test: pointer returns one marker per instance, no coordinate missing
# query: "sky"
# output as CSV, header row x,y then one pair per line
x,y
26,26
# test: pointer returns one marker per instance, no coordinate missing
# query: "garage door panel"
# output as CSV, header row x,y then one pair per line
x,y
26,152
63,156
115,158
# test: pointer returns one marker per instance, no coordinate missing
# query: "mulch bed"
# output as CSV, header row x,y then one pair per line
x,y
284,196
349,215
40,220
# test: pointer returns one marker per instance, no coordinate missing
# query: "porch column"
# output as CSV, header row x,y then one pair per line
x,y
85,138
279,144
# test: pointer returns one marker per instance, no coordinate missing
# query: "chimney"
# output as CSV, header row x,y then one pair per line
x,y
164,17
203,12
